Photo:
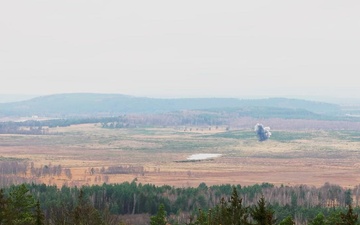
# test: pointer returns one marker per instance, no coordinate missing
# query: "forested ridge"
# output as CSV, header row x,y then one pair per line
x,y
82,104
220,204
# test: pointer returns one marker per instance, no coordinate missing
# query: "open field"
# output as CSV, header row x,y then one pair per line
x,y
156,155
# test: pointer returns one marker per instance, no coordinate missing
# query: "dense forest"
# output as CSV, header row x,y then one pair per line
x,y
221,204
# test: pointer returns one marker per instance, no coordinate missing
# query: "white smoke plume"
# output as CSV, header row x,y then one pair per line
x,y
262,132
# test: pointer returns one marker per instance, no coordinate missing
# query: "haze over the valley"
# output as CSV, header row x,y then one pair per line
x,y
181,49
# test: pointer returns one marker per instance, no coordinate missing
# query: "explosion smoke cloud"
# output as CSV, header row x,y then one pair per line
x,y
262,132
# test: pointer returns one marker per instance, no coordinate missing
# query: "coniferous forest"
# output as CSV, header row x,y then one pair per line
x,y
136,203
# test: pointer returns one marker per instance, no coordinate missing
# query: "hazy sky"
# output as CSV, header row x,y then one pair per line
x,y
181,48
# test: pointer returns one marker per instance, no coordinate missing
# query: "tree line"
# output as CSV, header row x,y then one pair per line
x,y
16,171
26,205
234,212
110,203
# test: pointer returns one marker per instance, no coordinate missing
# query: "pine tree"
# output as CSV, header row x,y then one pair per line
x,y
230,212
85,213
334,218
20,207
349,218
160,217
261,214
39,216
287,221
202,218
237,213
318,220
61,215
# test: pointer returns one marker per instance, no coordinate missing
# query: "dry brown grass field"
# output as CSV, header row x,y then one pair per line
x,y
290,157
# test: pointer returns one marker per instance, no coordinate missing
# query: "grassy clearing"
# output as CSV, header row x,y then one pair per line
x,y
243,135
244,158
279,136
353,136
285,136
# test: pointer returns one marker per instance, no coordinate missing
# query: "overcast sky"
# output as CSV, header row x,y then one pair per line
x,y
181,48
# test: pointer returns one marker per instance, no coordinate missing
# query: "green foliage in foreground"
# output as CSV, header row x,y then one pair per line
x,y
101,205
233,212
160,217
19,208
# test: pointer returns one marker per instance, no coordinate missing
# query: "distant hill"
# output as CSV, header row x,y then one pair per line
x,y
15,98
88,104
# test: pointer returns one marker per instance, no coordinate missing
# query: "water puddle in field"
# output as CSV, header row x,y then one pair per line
x,y
203,156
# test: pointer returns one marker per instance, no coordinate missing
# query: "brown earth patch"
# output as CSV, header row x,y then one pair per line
x,y
245,161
